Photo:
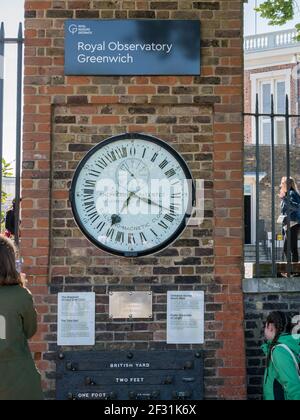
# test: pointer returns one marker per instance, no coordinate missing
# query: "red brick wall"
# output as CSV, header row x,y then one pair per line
x,y
201,117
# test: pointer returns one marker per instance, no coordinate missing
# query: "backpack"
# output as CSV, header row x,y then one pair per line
x,y
278,388
10,221
291,354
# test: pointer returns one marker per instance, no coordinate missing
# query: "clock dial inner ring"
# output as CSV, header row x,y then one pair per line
x,y
132,196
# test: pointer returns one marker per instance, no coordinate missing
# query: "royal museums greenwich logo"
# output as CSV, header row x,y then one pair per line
x,y
80,29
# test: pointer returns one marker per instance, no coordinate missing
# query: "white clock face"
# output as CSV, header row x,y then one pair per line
x,y
132,195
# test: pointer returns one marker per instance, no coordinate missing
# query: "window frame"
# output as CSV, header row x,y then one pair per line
x,y
257,80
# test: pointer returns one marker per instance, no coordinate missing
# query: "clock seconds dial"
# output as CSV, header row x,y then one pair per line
x,y
132,195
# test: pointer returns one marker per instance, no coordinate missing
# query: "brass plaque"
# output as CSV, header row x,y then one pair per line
x,y
130,305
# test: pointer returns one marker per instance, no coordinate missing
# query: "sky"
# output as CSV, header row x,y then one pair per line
x,y
11,13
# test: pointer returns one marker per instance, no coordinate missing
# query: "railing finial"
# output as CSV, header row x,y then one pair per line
x,y
2,32
20,32
257,105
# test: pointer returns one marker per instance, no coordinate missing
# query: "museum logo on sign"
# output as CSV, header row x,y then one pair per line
x,y
81,29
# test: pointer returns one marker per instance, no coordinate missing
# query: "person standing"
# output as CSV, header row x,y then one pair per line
x,y
19,378
10,220
294,199
282,350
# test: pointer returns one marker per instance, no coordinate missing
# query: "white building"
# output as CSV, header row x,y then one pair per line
x,y
9,188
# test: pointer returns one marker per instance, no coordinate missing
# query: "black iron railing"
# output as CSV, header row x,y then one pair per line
x,y
19,41
257,115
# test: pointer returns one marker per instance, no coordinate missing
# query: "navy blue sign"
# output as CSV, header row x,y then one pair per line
x,y
132,47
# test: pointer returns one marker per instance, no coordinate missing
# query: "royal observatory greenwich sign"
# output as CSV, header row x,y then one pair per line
x,y
132,47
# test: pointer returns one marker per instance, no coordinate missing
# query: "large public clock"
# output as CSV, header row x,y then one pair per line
x,y
132,195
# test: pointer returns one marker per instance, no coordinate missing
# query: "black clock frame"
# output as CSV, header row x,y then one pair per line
x,y
182,226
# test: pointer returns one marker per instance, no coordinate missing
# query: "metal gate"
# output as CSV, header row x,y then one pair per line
x,y
19,42
257,115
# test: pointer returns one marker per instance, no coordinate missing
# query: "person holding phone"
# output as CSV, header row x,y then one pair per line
x,y
19,377
294,211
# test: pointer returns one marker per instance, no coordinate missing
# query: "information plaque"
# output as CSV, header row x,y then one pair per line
x,y
130,305
185,317
76,319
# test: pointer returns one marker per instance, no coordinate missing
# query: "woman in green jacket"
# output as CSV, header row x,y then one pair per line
x,y
282,376
19,378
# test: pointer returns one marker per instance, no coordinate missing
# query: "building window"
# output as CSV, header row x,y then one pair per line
x,y
278,88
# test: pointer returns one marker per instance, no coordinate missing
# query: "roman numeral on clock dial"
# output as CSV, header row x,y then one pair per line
x,y
89,205
169,218
110,233
88,192
131,239
154,157
170,173
163,225
90,183
143,237
101,164
164,164
100,226
120,237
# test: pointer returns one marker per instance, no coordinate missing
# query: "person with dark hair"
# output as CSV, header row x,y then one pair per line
x,y
10,220
19,378
282,375
294,211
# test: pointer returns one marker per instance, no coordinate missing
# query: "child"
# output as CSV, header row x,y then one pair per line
x,y
19,378
282,376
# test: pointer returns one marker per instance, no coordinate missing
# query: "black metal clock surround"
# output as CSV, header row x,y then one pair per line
x,y
132,195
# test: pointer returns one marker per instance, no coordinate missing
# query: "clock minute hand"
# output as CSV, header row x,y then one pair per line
x,y
149,201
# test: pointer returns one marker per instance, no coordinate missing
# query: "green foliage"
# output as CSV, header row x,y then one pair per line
x,y
279,12
298,31
7,171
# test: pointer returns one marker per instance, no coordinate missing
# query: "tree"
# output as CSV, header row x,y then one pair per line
x,y
279,12
6,172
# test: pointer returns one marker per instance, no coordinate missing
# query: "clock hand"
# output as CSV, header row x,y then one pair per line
x,y
115,218
128,170
127,201
149,201
125,189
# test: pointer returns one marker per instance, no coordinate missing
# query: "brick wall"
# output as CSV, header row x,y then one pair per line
x,y
201,116
261,298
